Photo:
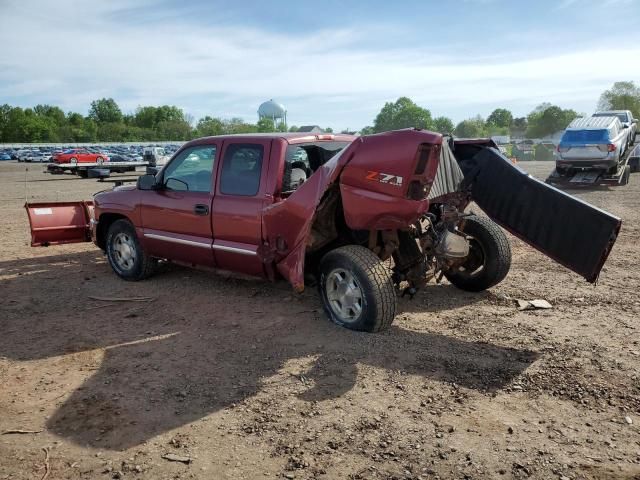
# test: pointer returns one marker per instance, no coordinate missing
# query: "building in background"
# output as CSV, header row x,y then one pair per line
x,y
310,129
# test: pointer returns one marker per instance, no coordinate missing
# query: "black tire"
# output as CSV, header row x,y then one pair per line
x,y
73,160
142,266
99,160
372,277
489,257
83,174
625,175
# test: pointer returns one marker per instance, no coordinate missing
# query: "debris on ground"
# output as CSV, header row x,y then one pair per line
x,y
172,457
533,305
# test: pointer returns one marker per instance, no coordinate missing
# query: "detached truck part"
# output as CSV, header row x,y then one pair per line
x,y
336,207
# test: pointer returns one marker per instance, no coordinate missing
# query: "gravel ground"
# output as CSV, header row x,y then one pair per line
x,y
226,377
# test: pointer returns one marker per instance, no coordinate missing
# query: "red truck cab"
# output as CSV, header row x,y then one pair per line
x,y
213,203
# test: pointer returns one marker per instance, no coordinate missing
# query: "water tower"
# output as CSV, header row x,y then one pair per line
x,y
273,110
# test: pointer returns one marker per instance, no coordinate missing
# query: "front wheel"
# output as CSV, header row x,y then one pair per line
x,y
489,257
357,290
125,254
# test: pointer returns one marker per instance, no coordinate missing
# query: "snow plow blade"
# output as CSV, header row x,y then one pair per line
x,y
57,223
566,229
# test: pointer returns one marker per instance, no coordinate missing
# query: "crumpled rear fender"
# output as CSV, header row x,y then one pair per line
x,y
374,173
286,224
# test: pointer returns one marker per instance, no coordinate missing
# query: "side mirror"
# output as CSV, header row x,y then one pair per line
x,y
177,185
625,125
146,182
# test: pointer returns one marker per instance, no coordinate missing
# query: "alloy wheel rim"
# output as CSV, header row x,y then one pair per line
x,y
344,295
124,251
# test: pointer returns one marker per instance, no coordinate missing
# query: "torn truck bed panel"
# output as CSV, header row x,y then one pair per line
x,y
570,231
374,171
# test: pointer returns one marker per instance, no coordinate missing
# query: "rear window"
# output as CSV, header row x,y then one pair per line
x,y
310,156
585,136
241,169
622,116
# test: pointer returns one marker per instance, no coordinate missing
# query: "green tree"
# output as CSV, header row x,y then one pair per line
x,y
238,125
543,122
404,113
209,126
368,130
173,130
5,110
54,113
443,125
500,117
111,131
293,128
145,117
474,127
105,110
519,126
266,125
622,96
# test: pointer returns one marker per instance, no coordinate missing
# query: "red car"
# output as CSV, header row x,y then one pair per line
x,y
334,210
80,155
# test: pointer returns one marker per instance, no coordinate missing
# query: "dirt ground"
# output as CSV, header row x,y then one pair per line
x,y
244,379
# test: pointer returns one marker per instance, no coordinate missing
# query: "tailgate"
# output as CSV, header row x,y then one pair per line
x,y
587,152
56,223
570,231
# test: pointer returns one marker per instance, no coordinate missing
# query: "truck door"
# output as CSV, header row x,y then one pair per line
x,y
238,203
176,219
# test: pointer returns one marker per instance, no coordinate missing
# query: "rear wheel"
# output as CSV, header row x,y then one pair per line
x,y
99,160
73,160
357,290
625,175
489,257
125,254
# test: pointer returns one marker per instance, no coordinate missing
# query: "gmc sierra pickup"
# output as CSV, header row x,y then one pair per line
x,y
363,218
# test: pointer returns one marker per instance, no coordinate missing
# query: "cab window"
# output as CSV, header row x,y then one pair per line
x,y
191,170
241,169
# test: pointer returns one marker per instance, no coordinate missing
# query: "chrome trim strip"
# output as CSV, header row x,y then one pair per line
x,y
177,240
241,251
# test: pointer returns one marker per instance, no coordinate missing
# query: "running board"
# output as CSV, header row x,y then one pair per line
x,y
566,229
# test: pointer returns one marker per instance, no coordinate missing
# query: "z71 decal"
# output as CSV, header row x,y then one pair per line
x,y
384,178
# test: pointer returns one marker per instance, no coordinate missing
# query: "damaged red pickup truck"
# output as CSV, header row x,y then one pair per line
x,y
362,217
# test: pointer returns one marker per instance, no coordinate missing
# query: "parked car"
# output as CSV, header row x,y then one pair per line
x,y
23,154
80,155
627,120
230,202
594,143
5,156
33,156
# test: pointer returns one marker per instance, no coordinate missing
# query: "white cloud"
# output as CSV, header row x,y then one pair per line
x,y
73,52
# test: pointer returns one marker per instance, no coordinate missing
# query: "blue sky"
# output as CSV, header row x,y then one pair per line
x,y
330,63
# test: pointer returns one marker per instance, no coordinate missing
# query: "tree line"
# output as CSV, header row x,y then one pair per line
x,y
105,121
543,120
